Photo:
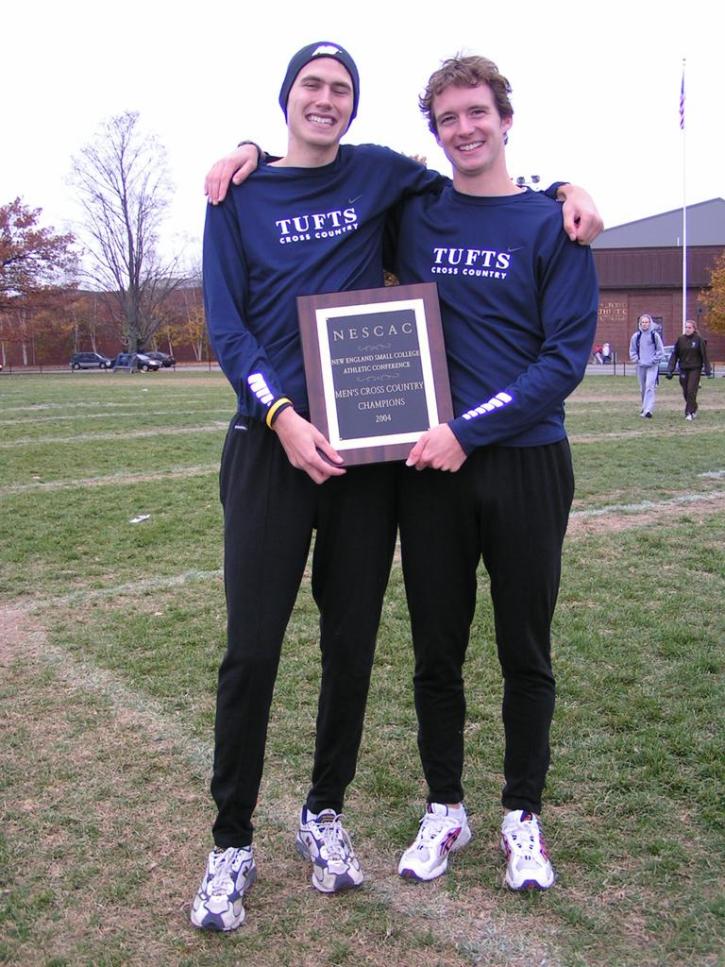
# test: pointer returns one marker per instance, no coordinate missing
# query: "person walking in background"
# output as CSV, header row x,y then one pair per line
x,y
691,352
646,350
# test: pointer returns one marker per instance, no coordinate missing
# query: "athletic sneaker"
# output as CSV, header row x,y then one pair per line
x,y
324,841
528,865
218,902
689,416
442,831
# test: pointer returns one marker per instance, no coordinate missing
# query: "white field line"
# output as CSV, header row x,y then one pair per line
x,y
645,505
44,407
117,436
203,469
110,480
664,405
133,589
577,438
157,720
147,585
86,676
117,414
645,431
492,941
92,404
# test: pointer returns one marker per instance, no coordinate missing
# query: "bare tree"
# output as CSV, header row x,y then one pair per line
x,y
123,185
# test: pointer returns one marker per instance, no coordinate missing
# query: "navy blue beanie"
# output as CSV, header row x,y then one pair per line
x,y
310,52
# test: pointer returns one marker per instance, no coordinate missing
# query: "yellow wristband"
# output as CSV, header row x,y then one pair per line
x,y
274,409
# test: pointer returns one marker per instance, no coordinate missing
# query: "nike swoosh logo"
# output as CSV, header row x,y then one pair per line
x,y
351,201
517,249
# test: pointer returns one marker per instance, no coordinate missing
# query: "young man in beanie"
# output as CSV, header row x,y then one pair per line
x,y
311,222
519,307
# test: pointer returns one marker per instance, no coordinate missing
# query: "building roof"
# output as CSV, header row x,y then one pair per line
x,y
705,226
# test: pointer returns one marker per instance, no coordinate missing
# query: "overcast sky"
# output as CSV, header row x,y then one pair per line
x,y
595,88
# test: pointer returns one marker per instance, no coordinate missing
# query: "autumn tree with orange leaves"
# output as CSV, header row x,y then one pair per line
x,y
37,271
713,299
34,261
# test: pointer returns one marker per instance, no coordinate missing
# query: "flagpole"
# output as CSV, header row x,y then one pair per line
x,y
684,197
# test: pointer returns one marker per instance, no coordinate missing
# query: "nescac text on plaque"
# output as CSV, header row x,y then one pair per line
x,y
365,332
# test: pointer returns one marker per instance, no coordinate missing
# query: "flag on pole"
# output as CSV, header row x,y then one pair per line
x,y
684,197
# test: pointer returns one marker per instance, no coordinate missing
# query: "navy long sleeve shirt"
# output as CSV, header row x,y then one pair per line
x,y
288,232
518,305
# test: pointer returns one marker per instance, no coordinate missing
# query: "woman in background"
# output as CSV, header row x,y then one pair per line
x,y
691,353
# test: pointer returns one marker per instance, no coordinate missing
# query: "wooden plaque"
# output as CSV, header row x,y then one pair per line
x,y
376,370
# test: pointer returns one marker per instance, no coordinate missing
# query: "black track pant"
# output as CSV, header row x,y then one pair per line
x,y
690,383
510,507
270,512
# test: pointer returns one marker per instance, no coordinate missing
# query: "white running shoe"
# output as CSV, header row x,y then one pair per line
x,y
689,416
324,841
528,865
440,833
218,902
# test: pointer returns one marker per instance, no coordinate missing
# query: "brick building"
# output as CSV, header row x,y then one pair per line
x,y
640,270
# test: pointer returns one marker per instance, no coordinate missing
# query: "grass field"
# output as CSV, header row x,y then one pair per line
x,y
110,637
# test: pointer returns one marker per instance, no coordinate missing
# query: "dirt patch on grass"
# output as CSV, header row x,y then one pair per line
x,y
11,621
584,524
661,432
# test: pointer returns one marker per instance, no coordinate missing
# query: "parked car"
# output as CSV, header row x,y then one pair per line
x,y
90,361
662,366
136,361
164,358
